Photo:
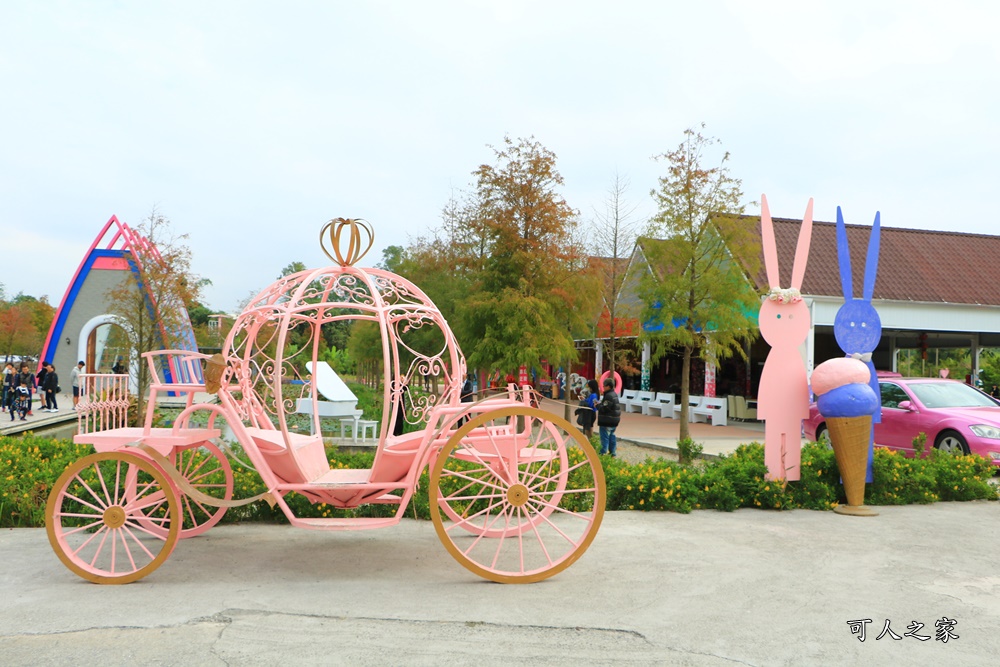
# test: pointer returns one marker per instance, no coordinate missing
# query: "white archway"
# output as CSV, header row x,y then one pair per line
x,y
89,327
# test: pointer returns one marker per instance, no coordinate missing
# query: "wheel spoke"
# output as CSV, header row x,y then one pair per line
x,y
89,539
460,475
152,533
88,526
556,528
128,552
476,497
464,521
142,546
102,502
82,502
534,529
479,537
100,547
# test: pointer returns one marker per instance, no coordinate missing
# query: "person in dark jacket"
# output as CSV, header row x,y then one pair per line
x,y
51,388
586,414
468,395
608,415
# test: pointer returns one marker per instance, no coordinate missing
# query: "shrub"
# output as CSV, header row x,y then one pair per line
x,y
31,464
688,450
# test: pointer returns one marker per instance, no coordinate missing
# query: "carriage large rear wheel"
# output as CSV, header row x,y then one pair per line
x,y
517,495
97,514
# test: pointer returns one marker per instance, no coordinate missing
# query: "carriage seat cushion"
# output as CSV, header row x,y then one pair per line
x,y
308,457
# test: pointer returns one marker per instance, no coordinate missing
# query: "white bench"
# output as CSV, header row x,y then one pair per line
x,y
693,402
713,408
627,396
663,403
639,402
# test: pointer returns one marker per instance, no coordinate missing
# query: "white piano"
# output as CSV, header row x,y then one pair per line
x,y
339,401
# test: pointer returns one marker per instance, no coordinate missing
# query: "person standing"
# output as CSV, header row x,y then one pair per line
x,y
40,386
10,383
7,392
74,378
608,416
51,388
26,379
468,395
587,412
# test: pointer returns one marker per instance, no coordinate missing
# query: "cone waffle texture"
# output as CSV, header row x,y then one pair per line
x,y
850,437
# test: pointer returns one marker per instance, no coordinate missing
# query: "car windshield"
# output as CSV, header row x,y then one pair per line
x,y
950,395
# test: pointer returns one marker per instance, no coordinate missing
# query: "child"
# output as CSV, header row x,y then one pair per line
x,y
22,400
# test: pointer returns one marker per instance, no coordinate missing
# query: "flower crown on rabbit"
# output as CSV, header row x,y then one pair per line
x,y
790,294
857,326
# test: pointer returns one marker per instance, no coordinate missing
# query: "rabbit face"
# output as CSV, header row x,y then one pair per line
x,y
784,324
857,327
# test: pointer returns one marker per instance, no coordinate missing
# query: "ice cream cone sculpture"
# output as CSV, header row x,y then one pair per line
x,y
847,401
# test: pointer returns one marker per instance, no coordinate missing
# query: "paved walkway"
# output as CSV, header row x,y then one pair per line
x,y
40,418
661,434
751,587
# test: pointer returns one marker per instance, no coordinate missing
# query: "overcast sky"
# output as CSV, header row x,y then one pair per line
x,y
249,124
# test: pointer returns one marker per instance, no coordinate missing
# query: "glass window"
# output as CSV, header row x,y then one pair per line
x,y
892,394
950,395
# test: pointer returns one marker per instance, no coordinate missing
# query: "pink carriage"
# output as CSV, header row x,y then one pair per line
x,y
516,493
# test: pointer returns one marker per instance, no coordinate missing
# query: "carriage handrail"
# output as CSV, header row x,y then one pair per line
x,y
185,365
104,400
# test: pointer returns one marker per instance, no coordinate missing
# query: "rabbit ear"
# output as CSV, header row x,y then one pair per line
x,y
871,262
844,258
802,249
770,246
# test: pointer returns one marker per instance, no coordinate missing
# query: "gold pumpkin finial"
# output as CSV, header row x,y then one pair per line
x,y
354,252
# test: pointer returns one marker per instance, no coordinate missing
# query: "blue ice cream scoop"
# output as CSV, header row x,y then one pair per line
x,y
849,400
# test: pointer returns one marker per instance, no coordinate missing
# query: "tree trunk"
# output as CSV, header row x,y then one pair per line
x,y
565,399
685,392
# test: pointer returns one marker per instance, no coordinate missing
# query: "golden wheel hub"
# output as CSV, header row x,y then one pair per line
x,y
114,517
517,495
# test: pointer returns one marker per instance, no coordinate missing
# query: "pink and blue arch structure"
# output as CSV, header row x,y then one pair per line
x,y
73,336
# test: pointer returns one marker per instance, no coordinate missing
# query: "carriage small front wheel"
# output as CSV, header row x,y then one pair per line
x,y
517,495
98,512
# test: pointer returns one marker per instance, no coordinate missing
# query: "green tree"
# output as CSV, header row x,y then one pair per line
x,y
24,323
153,312
699,288
519,230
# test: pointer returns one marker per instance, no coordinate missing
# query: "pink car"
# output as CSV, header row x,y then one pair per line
x,y
956,417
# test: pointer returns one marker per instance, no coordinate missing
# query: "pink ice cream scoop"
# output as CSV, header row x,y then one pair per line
x,y
838,372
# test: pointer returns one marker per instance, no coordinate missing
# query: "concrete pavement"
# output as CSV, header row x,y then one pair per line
x,y
655,432
750,587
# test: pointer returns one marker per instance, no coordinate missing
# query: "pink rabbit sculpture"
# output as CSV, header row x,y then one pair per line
x,y
783,394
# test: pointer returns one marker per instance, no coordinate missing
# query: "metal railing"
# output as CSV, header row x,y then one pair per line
x,y
103,402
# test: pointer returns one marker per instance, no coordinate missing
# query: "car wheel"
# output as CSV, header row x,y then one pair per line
x,y
951,442
823,436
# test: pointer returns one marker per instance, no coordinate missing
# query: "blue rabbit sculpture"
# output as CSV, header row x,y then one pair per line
x,y
857,326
